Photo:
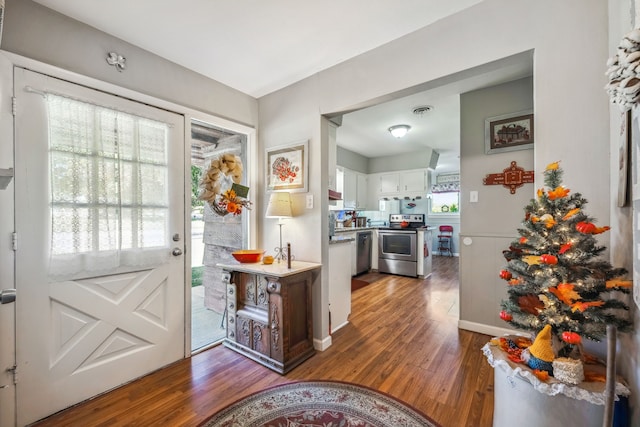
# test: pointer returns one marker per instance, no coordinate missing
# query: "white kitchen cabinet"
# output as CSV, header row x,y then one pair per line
x,y
414,181
362,190
350,187
354,189
339,284
374,249
389,183
346,233
409,183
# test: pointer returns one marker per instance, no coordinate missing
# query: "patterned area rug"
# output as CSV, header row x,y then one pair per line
x,y
319,404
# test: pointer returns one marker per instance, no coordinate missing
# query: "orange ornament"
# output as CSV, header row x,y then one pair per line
x,y
548,259
590,228
558,193
553,166
565,293
582,306
618,283
505,316
541,375
571,338
571,213
505,274
564,248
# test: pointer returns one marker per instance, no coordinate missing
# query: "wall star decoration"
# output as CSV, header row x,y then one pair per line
x,y
512,177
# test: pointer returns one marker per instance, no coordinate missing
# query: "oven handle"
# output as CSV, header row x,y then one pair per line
x,y
396,232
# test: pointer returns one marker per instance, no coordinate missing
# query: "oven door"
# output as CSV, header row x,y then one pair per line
x,y
397,245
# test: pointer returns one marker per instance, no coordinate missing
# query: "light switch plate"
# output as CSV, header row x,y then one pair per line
x,y
473,197
309,201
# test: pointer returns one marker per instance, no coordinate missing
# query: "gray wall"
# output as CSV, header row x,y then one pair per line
x,y
399,162
497,211
489,225
350,160
416,160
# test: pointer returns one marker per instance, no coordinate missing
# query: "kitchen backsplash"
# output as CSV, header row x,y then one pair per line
x,y
381,217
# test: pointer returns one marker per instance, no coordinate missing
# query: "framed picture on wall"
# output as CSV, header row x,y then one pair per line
x,y
509,132
288,167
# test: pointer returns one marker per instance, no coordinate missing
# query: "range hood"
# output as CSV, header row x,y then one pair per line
x,y
334,195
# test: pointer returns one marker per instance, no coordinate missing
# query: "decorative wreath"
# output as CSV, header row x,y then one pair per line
x,y
624,72
221,185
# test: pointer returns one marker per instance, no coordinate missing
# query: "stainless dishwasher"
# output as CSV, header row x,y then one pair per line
x,y
363,251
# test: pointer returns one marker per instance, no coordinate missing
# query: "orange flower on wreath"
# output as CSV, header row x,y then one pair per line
x,y
232,207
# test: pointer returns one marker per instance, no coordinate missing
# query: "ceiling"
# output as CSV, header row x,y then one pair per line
x,y
258,47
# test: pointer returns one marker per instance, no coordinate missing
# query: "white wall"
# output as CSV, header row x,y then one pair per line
x,y
570,44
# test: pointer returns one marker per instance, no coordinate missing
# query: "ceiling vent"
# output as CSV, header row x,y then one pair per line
x,y
422,110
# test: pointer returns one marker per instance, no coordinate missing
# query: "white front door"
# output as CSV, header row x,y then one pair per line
x,y
99,269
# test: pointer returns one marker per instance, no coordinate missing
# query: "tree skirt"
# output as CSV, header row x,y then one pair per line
x,y
319,403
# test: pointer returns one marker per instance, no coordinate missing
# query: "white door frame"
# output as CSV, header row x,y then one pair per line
x,y
7,255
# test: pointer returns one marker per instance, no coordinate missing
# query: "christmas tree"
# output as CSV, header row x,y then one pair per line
x,y
553,272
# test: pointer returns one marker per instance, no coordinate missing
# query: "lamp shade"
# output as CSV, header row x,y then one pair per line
x,y
279,205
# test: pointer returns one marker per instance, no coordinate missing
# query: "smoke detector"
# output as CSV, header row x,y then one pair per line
x,y
422,109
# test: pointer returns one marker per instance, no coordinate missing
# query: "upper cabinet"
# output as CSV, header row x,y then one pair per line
x,y
389,183
362,191
414,181
410,183
354,189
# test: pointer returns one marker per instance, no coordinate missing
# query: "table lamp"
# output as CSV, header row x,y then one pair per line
x,y
279,207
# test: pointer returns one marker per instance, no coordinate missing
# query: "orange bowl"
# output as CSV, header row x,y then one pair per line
x,y
248,255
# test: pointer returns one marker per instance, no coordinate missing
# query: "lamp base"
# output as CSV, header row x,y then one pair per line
x,y
281,254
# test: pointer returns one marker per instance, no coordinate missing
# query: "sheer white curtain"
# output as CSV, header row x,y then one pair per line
x,y
109,193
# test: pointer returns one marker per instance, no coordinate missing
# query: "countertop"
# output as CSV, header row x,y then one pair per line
x,y
348,229
353,229
276,269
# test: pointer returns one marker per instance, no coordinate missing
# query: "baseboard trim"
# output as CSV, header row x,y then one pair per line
x,y
322,345
485,329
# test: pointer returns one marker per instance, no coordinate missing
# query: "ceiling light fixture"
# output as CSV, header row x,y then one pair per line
x,y
399,130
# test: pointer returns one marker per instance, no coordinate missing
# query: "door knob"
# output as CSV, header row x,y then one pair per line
x,y
176,252
7,296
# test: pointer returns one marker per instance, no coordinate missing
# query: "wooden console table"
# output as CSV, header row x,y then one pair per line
x,y
269,312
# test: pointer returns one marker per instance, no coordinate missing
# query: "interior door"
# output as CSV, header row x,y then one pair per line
x,y
80,336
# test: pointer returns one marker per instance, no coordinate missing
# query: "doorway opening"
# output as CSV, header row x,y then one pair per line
x,y
213,235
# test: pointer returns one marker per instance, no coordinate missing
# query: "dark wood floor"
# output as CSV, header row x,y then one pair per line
x,y
402,339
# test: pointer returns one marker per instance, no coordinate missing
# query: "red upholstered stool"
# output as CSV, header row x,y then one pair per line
x,y
445,240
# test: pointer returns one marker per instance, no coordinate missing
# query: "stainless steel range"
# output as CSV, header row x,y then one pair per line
x,y
401,246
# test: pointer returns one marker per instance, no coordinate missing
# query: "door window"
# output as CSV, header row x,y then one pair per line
x,y
108,188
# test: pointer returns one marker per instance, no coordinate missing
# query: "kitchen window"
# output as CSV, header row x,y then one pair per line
x,y
444,203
